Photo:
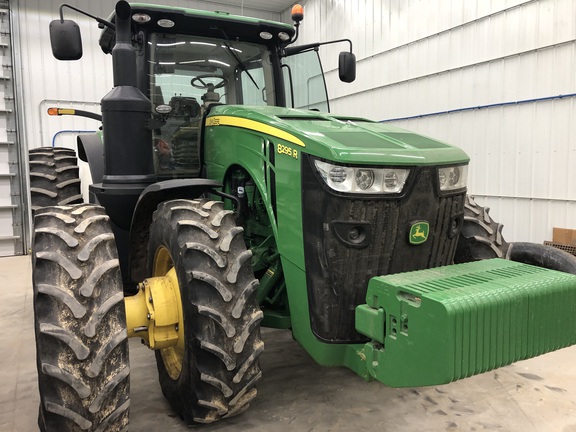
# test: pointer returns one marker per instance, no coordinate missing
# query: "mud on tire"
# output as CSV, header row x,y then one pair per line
x,y
480,237
54,177
80,322
219,364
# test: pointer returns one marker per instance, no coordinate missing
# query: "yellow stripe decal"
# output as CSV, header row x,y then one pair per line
x,y
253,125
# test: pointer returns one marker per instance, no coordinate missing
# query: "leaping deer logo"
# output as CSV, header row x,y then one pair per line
x,y
419,233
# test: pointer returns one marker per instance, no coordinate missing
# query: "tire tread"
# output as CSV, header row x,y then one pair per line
x,y
481,237
54,177
82,377
222,317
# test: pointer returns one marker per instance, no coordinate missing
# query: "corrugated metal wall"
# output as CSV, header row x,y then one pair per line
x,y
419,57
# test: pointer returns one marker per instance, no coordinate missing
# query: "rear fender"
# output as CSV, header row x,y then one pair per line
x,y
150,198
91,150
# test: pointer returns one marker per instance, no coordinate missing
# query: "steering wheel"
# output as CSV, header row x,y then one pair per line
x,y
199,83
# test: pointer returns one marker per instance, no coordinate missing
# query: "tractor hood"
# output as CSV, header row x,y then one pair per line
x,y
340,139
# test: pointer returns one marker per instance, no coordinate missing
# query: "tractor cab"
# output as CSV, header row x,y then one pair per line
x,y
187,76
189,61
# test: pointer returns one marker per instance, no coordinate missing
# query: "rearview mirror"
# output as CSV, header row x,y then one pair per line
x,y
347,66
65,40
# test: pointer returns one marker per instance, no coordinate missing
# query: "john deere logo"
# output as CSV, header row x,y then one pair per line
x,y
419,233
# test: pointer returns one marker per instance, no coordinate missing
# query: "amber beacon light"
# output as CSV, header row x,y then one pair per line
x,y
297,13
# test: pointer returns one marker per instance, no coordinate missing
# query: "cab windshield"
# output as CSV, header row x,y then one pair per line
x,y
304,81
189,74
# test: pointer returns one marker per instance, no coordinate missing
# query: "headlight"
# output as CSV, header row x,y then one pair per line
x,y
362,180
452,178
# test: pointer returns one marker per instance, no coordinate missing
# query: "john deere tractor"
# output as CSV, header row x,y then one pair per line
x,y
225,197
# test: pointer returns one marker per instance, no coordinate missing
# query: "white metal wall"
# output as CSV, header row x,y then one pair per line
x,y
418,57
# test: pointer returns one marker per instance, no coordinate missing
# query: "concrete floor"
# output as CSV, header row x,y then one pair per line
x,y
295,394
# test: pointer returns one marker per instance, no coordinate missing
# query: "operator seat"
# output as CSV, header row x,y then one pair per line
x,y
210,97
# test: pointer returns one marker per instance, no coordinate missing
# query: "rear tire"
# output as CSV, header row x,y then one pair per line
x,y
215,372
80,322
480,237
54,177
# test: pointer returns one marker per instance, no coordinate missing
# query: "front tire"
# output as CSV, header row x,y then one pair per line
x,y
80,322
214,372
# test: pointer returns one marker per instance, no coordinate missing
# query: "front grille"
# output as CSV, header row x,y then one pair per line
x,y
339,265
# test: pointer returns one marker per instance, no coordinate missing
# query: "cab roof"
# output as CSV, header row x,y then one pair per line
x,y
201,23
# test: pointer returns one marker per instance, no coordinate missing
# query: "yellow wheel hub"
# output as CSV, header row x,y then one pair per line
x,y
155,313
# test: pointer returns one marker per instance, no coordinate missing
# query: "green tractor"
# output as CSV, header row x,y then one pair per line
x,y
226,198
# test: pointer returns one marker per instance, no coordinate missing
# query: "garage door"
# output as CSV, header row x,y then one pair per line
x,y
12,213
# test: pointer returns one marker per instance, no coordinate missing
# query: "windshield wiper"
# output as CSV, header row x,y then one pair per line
x,y
231,51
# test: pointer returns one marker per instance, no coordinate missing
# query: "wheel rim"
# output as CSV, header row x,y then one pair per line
x,y
173,357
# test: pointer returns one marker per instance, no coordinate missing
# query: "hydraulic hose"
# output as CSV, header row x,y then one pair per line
x,y
542,256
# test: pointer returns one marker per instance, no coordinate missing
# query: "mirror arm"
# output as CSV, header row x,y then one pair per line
x,y
99,20
298,49
340,40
